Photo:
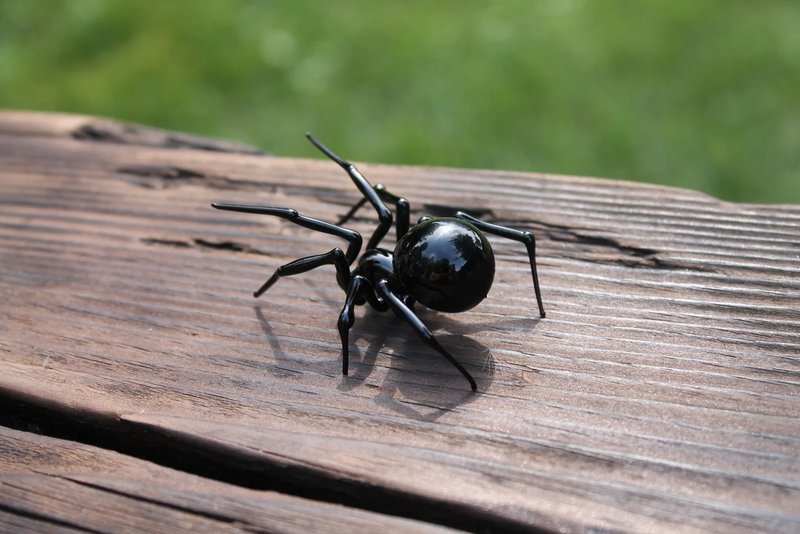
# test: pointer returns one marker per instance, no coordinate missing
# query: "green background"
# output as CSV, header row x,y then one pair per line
x,y
695,93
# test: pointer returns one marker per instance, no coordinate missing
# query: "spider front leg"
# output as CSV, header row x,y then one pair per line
x,y
347,318
397,305
341,260
402,209
370,194
335,257
517,235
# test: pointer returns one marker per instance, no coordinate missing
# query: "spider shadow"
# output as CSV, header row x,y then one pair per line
x,y
437,321
272,339
420,384
322,298
362,365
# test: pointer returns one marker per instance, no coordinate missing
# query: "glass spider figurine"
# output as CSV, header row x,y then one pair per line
x,y
444,263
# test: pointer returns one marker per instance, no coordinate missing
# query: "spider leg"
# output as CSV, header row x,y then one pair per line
x,y
401,206
347,318
517,235
353,238
369,192
402,209
416,323
335,257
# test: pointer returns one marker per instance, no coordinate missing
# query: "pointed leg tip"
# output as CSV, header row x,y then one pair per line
x,y
472,384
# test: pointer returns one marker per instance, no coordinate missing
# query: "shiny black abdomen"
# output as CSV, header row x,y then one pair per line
x,y
445,264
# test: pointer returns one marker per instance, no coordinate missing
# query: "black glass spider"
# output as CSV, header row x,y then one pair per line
x,y
444,263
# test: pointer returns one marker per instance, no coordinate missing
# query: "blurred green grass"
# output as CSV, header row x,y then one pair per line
x,y
694,93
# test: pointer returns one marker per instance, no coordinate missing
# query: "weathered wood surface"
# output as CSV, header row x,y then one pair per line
x,y
661,391
49,483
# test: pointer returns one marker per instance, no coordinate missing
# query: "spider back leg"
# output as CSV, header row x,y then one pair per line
x,y
517,235
402,209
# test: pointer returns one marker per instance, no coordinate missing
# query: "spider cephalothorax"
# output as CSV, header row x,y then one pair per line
x,y
444,263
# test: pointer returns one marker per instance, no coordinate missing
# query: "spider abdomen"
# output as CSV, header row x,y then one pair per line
x,y
446,264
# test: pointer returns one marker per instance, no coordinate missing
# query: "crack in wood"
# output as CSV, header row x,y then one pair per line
x,y
107,131
177,243
208,514
238,467
56,523
565,234
230,246
630,256
158,176
627,255
605,250
168,173
589,248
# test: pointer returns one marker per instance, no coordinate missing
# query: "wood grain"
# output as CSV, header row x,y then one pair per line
x,y
660,393
53,484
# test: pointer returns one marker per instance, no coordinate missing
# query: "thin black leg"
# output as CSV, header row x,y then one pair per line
x,y
347,318
517,235
334,257
416,323
353,238
401,206
402,209
384,214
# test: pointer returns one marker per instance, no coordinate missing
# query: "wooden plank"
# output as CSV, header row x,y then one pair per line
x,y
48,484
22,123
659,393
